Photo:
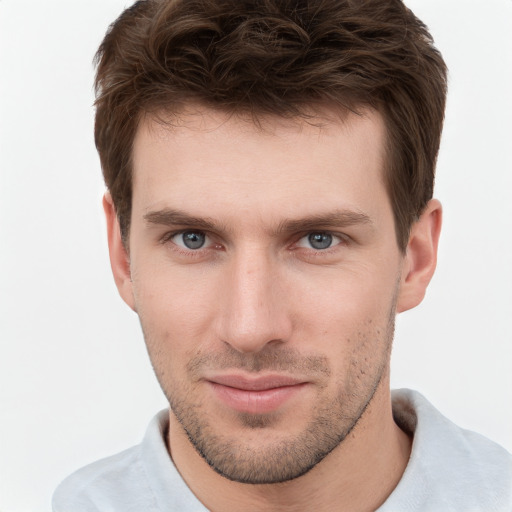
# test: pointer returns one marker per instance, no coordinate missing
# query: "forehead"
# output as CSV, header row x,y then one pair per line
x,y
208,160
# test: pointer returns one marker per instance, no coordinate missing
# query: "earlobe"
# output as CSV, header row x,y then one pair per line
x,y
119,259
421,257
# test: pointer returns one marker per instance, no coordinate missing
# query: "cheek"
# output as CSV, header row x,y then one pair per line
x,y
175,311
352,324
345,299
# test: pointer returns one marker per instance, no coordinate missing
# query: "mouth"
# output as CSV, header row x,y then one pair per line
x,y
260,395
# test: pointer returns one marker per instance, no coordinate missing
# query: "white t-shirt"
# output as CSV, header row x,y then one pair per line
x,y
450,469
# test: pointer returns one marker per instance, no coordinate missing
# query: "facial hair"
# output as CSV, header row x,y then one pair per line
x,y
331,420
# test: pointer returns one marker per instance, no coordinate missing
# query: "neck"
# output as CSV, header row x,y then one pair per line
x,y
358,475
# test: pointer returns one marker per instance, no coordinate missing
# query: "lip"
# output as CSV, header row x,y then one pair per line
x,y
255,395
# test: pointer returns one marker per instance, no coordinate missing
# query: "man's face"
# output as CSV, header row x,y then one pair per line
x,y
265,271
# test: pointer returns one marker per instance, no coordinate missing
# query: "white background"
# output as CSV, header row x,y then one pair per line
x,y
75,381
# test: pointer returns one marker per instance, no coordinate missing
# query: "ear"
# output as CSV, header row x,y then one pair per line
x,y
119,258
421,257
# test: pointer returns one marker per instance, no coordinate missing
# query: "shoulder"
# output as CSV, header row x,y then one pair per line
x,y
121,482
107,484
450,468
140,478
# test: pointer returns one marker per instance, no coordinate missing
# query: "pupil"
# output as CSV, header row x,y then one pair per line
x,y
193,240
320,240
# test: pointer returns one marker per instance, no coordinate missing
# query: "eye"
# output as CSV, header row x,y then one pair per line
x,y
319,240
191,240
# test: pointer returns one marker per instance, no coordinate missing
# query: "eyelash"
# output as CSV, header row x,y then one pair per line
x,y
190,253
342,240
312,252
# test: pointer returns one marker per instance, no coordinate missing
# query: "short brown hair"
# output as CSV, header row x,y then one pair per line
x,y
275,57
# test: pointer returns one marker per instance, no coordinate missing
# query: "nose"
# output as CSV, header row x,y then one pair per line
x,y
254,310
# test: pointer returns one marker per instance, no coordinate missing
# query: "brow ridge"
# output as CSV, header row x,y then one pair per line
x,y
171,217
339,219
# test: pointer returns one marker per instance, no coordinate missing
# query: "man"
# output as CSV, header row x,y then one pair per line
x,y
270,171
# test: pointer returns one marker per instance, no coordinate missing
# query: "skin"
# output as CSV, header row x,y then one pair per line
x,y
259,304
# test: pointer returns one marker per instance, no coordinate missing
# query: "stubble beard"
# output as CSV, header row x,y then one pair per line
x,y
272,462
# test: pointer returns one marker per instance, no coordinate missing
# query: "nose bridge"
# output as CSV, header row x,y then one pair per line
x,y
253,316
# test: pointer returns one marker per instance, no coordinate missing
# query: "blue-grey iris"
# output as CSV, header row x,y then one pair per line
x,y
320,240
193,239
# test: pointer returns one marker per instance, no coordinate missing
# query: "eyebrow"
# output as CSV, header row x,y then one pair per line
x,y
338,219
171,217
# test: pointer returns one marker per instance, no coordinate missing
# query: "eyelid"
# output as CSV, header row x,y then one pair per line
x,y
342,239
338,239
211,243
167,237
